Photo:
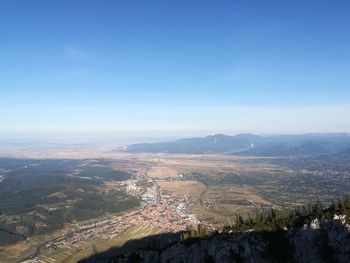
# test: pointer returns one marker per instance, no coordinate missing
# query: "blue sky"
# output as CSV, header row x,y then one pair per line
x,y
174,67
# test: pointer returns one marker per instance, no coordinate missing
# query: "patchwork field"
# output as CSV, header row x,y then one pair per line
x,y
236,195
161,171
97,245
194,189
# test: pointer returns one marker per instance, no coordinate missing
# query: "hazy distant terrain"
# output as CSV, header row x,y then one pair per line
x,y
248,144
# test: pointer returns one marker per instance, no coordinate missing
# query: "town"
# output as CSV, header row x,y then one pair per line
x,y
164,211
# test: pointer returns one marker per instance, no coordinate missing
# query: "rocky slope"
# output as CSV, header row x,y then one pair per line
x,y
317,242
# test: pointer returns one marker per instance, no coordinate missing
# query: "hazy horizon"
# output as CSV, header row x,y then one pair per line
x,y
132,137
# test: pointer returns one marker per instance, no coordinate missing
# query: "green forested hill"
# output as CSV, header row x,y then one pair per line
x,y
40,196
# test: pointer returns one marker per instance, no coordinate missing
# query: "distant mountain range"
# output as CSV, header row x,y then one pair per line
x,y
253,145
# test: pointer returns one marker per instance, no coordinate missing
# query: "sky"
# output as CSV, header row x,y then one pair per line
x,y
172,68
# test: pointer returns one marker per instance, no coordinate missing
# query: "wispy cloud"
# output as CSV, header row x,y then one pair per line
x,y
78,62
77,54
75,73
